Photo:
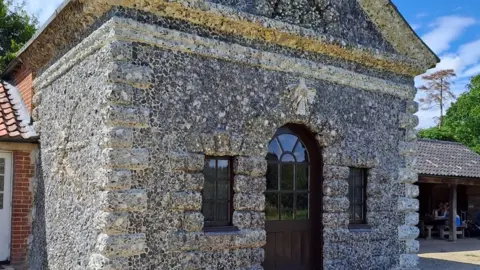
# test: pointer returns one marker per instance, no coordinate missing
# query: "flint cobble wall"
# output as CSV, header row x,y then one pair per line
x,y
142,105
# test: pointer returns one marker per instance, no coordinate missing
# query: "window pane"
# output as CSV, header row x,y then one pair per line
x,y
208,211
351,177
209,189
358,177
2,166
209,170
358,195
301,174
300,153
216,192
222,211
288,158
358,212
286,211
274,151
2,182
287,141
1,200
222,190
222,169
302,206
272,176
271,206
287,171
350,192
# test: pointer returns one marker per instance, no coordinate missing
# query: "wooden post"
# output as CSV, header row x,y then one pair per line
x,y
452,213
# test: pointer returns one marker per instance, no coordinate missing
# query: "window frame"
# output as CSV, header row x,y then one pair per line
x,y
213,226
351,197
280,165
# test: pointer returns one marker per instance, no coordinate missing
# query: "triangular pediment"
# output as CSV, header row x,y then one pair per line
x,y
395,29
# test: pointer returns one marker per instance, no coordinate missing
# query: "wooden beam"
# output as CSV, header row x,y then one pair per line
x,y
452,213
468,181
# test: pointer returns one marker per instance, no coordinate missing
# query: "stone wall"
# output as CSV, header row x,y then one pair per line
x,y
343,19
131,112
87,196
37,250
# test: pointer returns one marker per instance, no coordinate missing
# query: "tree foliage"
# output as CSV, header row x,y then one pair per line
x,y
437,90
16,28
437,133
462,121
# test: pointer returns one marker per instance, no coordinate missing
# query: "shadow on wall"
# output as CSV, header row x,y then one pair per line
x,y
37,257
437,264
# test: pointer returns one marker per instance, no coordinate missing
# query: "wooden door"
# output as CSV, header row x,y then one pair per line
x,y
5,205
293,201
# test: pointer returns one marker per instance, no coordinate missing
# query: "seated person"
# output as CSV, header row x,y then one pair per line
x,y
440,211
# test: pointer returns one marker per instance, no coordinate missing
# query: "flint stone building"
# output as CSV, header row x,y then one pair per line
x,y
264,134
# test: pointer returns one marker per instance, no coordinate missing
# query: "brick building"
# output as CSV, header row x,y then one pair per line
x,y
18,144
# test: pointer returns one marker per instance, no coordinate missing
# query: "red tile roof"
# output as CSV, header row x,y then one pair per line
x,y
15,122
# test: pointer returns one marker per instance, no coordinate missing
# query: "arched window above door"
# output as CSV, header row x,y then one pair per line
x,y
286,147
287,195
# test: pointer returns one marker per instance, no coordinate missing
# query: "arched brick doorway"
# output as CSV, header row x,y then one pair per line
x,y
293,209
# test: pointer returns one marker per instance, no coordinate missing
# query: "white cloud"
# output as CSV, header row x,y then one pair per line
x,y
469,53
445,30
464,61
475,70
427,118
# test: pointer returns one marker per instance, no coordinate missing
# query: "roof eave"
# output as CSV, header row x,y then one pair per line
x,y
429,50
396,30
421,54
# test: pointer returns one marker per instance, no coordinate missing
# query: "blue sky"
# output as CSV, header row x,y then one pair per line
x,y
450,28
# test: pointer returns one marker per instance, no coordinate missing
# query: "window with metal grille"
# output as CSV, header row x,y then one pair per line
x,y
217,206
357,184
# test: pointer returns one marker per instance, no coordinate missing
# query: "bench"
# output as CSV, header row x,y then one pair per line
x,y
444,231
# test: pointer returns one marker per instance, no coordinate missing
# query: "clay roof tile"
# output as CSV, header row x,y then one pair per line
x,y
14,118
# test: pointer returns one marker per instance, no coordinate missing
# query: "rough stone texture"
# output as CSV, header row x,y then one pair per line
x,y
38,245
70,157
143,105
343,19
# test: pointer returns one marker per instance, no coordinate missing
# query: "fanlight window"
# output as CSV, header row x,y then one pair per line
x,y
287,195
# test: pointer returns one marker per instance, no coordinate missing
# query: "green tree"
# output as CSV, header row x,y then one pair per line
x,y
462,121
463,117
437,133
16,28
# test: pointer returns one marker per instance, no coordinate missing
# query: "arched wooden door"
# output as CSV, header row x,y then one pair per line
x,y
293,208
